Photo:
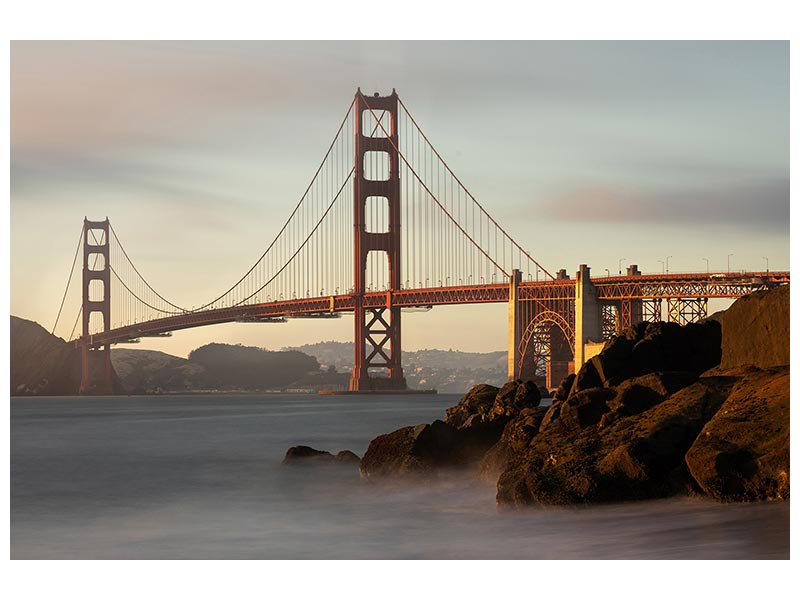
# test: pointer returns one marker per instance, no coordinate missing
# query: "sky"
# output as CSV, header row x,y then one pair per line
x,y
585,152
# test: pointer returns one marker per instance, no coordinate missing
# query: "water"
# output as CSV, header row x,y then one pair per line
x,y
200,477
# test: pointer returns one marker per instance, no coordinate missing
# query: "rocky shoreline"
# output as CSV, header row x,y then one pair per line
x,y
662,410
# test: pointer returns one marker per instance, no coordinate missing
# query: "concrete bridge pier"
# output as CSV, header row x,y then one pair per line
x,y
515,325
588,322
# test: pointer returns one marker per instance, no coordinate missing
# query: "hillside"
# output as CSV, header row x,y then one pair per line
x,y
43,364
221,367
444,370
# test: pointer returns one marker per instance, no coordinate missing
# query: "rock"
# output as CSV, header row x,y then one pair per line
x,y
613,364
479,400
552,415
742,453
660,349
585,379
637,394
564,387
346,456
703,346
755,330
636,457
515,396
585,408
297,454
515,438
411,450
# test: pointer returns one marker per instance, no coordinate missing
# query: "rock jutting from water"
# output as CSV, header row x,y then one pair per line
x,y
654,414
297,455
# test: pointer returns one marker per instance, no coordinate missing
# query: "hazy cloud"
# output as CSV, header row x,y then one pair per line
x,y
762,204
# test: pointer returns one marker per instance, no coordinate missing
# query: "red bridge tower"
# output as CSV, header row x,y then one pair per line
x,y
96,364
376,180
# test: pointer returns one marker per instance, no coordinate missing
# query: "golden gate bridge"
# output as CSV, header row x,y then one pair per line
x,y
386,225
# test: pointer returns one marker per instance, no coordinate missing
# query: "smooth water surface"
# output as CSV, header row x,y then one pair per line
x,y
201,477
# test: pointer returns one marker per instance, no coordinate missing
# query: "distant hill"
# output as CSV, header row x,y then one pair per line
x,y
43,364
149,371
444,370
221,367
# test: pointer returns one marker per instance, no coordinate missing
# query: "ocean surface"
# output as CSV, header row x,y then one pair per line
x,y
201,477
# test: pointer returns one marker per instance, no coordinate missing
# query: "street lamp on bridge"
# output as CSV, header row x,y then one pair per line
x,y
668,263
766,259
729,263
705,259
620,265
608,273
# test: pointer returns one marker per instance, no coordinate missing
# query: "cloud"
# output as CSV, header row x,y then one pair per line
x,y
757,203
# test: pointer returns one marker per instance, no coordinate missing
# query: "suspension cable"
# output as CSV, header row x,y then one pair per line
x,y
69,281
483,210
286,224
308,237
150,287
435,199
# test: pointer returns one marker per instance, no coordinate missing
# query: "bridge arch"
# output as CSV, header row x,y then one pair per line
x,y
549,337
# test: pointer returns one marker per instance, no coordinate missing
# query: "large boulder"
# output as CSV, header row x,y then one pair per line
x,y
515,396
742,453
300,455
477,401
650,348
585,408
411,450
516,437
636,457
469,430
637,394
305,454
564,387
755,330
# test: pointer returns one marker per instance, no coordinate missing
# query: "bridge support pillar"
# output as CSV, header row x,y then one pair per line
x,y
377,329
96,373
515,326
588,323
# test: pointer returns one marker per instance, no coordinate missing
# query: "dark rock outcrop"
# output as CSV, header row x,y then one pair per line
x,y
516,437
470,429
297,454
306,455
652,415
411,450
478,401
755,330
637,457
648,348
346,456
743,451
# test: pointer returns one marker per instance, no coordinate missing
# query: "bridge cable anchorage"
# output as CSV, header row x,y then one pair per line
x,y
430,193
69,281
479,205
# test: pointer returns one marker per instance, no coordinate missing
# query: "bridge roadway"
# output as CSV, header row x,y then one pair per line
x,y
651,286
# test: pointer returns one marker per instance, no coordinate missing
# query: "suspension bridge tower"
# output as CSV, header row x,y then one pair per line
x,y
96,300
376,180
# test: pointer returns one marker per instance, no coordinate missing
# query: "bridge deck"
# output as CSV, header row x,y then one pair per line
x,y
672,285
